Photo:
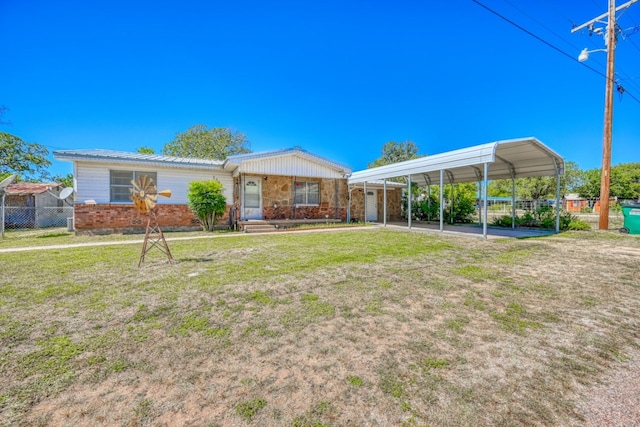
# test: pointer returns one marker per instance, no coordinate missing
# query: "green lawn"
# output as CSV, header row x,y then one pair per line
x,y
340,328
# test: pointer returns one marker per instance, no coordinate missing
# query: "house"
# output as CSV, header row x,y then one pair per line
x,y
291,184
596,205
575,203
34,204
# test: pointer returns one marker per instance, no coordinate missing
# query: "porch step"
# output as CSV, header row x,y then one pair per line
x,y
259,228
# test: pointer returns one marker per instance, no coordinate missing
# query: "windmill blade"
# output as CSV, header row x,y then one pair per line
x,y
165,193
136,187
150,204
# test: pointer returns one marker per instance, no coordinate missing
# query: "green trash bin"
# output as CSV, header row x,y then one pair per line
x,y
631,219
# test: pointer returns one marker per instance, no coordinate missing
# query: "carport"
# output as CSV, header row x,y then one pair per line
x,y
506,159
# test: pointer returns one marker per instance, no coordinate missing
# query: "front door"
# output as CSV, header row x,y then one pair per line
x,y
372,205
252,198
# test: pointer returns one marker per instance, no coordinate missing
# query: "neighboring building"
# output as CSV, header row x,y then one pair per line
x,y
30,204
575,203
596,205
290,184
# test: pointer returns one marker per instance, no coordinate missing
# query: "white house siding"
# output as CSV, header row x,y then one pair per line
x,y
289,165
93,181
177,180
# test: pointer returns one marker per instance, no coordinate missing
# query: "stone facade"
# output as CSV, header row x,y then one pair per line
x,y
394,204
278,199
124,218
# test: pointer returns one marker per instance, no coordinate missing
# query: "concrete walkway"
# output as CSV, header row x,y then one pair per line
x,y
474,231
468,230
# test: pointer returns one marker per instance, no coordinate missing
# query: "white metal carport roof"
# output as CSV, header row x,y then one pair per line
x,y
513,158
507,159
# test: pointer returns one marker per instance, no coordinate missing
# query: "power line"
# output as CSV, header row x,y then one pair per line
x,y
543,25
629,38
622,90
627,79
550,5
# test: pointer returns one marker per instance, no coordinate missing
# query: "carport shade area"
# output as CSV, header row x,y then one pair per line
x,y
506,159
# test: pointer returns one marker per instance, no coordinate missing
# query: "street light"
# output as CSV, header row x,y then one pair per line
x,y
584,53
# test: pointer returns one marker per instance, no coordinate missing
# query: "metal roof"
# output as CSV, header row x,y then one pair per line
x,y
513,158
24,188
239,158
112,156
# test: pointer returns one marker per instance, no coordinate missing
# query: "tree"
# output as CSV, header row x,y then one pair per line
x,y
146,150
66,180
394,152
207,202
461,202
25,159
540,187
203,143
624,184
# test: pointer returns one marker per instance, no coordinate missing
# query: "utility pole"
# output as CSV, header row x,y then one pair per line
x,y
610,43
605,175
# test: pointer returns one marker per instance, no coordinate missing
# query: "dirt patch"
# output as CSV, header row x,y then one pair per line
x,y
354,328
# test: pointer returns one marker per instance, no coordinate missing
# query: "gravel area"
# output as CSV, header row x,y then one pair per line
x,y
616,400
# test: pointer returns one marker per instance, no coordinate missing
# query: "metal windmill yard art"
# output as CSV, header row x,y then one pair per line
x,y
144,195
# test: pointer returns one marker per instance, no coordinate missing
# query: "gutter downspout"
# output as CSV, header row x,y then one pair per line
x,y
243,179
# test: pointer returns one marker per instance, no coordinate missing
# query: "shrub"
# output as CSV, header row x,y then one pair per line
x,y
502,221
543,217
578,225
207,202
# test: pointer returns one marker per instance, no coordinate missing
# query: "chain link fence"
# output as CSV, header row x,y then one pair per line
x,y
20,217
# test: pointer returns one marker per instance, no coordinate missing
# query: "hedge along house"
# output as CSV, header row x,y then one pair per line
x,y
507,159
290,184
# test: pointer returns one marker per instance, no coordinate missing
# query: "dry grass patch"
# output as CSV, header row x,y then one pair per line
x,y
361,327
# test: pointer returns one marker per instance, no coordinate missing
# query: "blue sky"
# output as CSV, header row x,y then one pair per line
x,y
338,78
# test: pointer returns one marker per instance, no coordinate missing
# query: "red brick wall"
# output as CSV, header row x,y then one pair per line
x,y
116,218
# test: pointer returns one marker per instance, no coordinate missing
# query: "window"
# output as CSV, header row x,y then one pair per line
x,y
307,193
121,183
251,194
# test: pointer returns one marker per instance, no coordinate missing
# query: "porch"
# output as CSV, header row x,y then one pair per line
x,y
271,225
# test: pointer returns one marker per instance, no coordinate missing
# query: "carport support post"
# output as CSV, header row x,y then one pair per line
x,y
441,199
479,202
409,201
484,199
513,202
557,202
384,207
